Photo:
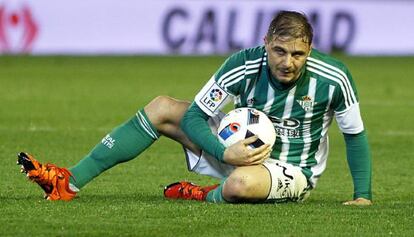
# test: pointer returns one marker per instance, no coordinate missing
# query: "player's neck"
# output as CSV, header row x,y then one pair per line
x,y
282,85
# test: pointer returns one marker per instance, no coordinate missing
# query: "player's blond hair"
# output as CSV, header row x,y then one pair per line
x,y
290,24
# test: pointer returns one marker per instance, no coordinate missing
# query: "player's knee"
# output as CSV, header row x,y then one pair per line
x,y
159,108
239,187
163,103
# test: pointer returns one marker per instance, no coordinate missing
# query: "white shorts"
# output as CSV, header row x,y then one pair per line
x,y
288,183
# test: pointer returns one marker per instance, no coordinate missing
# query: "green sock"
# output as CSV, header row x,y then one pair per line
x,y
215,195
123,144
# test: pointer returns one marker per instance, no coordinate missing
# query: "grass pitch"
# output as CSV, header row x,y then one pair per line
x,y
58,108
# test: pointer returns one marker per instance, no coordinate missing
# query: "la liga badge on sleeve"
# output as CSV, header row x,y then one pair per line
x,y
213,97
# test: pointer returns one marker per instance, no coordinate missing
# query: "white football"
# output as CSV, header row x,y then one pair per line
x,y
242,123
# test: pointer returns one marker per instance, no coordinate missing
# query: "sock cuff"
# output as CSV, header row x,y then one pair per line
x,y
215,195
73,188
146,124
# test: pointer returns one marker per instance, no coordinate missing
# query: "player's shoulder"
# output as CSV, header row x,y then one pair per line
x,y
326,62
248,56
330,71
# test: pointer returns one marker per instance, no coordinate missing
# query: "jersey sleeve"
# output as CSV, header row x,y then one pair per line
x,y
224,86
195,125
359,160
346,104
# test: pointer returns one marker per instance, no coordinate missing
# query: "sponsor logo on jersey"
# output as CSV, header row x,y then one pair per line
x,y
229,130
288,127
214,97
306,103
108,141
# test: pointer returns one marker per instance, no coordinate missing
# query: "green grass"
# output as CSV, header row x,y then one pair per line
x,y
58,108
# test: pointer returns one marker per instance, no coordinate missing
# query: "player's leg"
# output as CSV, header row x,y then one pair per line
x,y
125,142
167,121
247,184
160,117
273,181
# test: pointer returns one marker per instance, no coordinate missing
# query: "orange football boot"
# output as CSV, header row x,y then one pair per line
x,y
52,179
187,190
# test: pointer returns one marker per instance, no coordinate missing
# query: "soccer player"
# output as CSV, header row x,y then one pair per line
x,y
298,87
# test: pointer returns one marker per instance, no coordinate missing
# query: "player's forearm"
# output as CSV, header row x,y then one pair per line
x,y
195,126
359,161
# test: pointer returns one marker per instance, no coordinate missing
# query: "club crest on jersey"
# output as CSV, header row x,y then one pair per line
x,y
306,103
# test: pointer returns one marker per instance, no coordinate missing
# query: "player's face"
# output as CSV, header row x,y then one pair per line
x,y
286,57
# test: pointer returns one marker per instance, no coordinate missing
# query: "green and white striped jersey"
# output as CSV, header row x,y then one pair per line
x,y
301,113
